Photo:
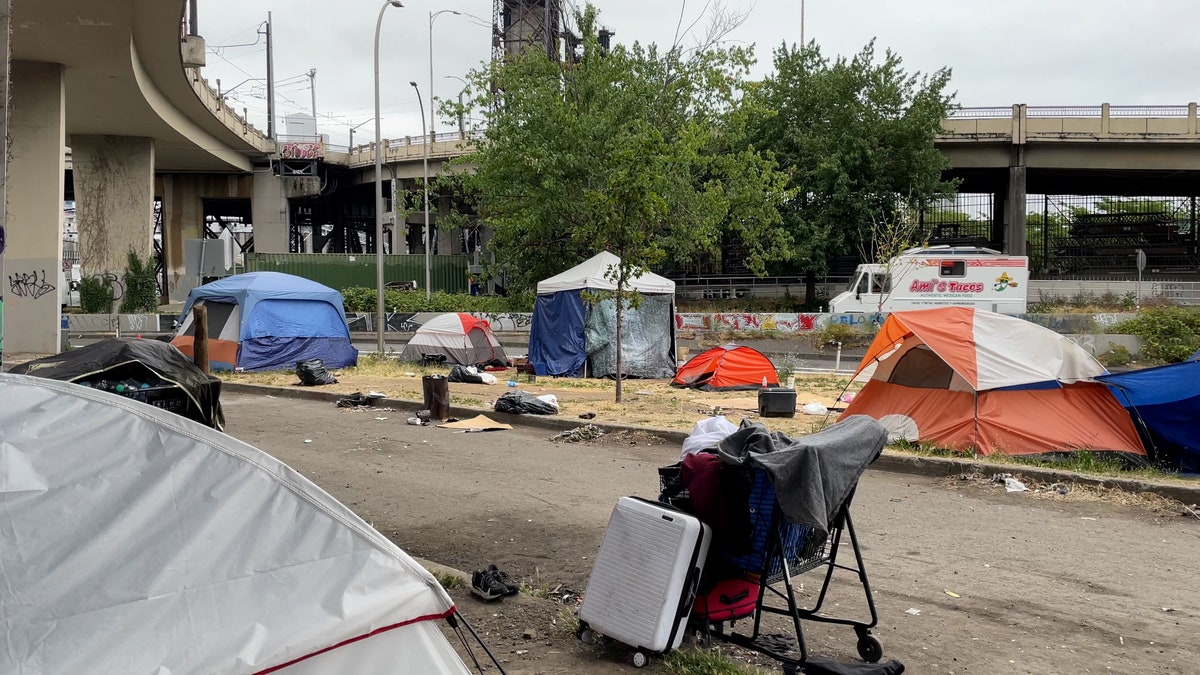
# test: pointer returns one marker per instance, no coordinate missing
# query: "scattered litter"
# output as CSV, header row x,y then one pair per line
x,y
529,634
416,422
847,397
815,408
1013,485
521,652
644,392
308,440
1121,639
912,611
1192,510
1168,609
410,374
270,396
376,394
952,594
358,399
1087,518
381,418
587,416
588,432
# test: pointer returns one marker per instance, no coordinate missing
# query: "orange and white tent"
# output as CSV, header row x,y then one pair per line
x,y
964,378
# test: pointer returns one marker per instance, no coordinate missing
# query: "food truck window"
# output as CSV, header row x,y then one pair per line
x,y
953,268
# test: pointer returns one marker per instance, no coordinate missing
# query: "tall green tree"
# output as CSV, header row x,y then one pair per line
x,y
857,135
626,149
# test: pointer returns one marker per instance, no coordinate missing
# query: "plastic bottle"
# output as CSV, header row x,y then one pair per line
x,y
764,384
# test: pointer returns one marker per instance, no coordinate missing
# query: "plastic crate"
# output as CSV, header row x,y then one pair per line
x,y
765,516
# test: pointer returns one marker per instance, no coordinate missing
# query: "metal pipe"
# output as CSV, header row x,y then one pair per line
x,y
270,83
192,14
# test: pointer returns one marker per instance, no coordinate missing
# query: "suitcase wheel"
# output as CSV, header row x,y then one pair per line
x,y
640,659
585,634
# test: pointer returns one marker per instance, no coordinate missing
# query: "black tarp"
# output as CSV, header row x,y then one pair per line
x,y
147,370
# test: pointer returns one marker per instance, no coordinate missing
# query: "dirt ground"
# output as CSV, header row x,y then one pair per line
x,y
651,403
967,578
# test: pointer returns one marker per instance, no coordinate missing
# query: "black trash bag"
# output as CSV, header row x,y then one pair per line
x,y
312,373
461,374
520,402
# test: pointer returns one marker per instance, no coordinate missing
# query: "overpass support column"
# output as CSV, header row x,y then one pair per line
x,y
33,255
1014,207
269,212
114,200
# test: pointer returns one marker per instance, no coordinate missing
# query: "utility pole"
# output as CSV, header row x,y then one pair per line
x,y
312,87
270,83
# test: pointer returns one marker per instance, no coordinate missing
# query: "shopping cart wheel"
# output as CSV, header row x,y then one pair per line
x,y
640,659
869,648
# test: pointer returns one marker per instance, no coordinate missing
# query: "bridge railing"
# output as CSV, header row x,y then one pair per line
x,y
1085,111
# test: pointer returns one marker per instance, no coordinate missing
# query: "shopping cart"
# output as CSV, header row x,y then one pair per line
x,y
780,550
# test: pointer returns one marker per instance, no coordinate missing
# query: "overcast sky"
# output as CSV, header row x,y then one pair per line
x,y
1039,52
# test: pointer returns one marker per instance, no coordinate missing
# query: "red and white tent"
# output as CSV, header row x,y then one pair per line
x,y
135,541
964,378
463,339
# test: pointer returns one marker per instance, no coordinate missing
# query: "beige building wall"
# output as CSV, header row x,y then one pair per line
x,y
33,255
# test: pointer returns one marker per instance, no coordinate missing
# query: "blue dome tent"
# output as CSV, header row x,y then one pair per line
x,y
268,321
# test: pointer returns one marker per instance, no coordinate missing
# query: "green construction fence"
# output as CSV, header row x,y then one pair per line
x,y
342,270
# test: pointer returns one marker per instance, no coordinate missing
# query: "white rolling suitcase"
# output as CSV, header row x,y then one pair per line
x,y
645,577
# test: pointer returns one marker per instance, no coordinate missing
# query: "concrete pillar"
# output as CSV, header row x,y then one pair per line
x,y
449,241
1014,210
33,253
114,200
269,212
183,218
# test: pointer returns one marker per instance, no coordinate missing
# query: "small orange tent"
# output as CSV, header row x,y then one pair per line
x,y
726,368
965,378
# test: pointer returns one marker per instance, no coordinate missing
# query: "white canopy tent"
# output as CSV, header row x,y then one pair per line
x,y
133,540
593,275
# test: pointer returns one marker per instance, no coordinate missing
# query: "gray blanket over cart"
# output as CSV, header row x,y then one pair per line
x,y
813,475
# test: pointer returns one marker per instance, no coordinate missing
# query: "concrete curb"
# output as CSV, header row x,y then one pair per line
x,y
895,462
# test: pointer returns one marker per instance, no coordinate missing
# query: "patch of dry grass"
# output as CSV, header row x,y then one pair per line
x,y
1074,492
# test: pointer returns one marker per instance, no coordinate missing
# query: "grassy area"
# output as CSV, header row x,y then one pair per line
x,y
1083,461
706,662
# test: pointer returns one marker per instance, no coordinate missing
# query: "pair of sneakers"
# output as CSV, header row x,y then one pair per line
x,y
492,584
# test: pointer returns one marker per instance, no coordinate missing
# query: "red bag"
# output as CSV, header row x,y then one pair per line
x,y
729,599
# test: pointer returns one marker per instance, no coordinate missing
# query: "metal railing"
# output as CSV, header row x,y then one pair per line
x,y
1082,111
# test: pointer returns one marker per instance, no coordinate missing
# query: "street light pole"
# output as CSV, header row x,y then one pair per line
x,y
425,199
380,318
462,128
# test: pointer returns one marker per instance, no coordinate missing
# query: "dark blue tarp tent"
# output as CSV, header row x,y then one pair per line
x,y
571,338
1165,405
269,320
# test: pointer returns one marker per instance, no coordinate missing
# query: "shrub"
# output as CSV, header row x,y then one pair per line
x,y
95,296
141,290
1117,355
834,333
1169,334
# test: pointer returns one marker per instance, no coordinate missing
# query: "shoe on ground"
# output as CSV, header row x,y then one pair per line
x,y
511,587
486,587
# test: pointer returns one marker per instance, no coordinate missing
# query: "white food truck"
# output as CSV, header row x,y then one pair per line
x,y
936,276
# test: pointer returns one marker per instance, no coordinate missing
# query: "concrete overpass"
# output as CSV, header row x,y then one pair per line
x,y
1008,152
116,81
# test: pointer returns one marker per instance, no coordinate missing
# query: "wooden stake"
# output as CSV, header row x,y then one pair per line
x,y
200,339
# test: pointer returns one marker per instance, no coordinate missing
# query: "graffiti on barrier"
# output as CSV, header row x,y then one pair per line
x,y
780,322
302,150
508,322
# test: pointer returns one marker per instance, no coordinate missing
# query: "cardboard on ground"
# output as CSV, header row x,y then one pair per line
x,y
478,422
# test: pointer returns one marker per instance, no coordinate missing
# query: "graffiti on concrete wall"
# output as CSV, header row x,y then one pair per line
x,y
302,150
746,321
32,284
507,322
